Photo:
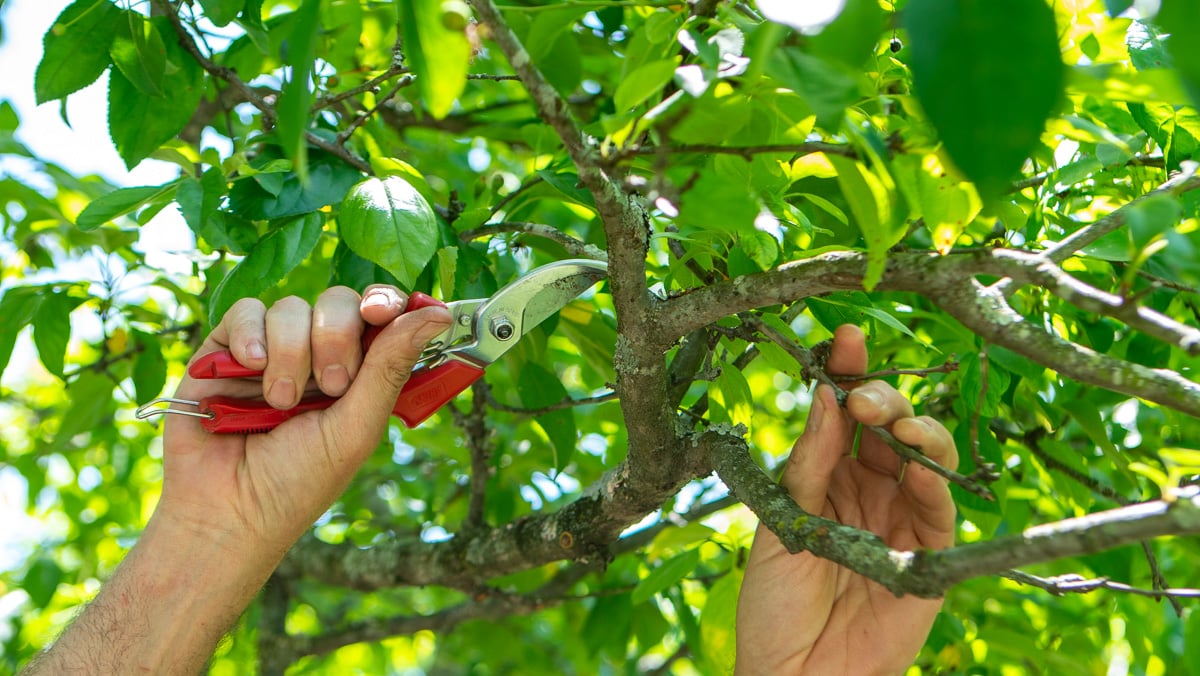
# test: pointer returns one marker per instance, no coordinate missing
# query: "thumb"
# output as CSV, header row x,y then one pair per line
x,y
362,413
826,438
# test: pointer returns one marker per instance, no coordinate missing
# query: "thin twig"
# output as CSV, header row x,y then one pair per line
x,y
255,99
573,246
368,86
1072,583
747,152
362,118
814,370
949,366
981,398
564,404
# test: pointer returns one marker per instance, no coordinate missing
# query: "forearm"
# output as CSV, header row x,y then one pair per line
x,y
169,603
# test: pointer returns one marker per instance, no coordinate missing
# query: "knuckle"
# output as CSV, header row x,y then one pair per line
x,y
288,304
338,295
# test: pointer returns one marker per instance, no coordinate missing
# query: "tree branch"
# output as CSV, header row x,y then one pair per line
x,y
1088,234
930,573
250,94
573,246
654,448
581,531
948,281
1077,584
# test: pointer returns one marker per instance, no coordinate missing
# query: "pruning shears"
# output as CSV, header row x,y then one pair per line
x,y
482,330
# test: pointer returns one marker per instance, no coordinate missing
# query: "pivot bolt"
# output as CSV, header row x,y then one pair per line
x,y
502,328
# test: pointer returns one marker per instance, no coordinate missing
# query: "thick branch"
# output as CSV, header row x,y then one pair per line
x,y
641,373
583,530
930,573
948,282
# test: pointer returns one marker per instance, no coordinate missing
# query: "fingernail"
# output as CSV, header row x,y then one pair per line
x,y
283,393
377,299
256,350
426,332
335,379
870,395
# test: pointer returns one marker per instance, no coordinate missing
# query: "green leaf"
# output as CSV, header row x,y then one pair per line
x,y
608,625
852,36
987,74
717,622
871,203
18,307
118,203
971,369
91,400
733,393
330,180
665,575
296,98
139,53
52,330
76,49
275,255
1087,415
1191,642
643,82
386,221
673,539
1151,217
437,50
447,268
139,124
149,368
554,48
1181,18
221,12
538,388
199,203
41,581
827,87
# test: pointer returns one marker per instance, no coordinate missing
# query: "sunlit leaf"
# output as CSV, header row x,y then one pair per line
x,y
139,124
437,50
275,255
987,74
665,575
138,51
119,203
296,98
386,221
76,48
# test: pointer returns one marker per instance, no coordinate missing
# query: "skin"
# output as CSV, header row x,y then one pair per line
x,y
232,505
838,622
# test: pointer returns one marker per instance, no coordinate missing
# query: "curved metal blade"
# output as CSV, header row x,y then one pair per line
x,y
526,302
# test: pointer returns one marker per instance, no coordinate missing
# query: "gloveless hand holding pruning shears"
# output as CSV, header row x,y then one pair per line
x,y
480,332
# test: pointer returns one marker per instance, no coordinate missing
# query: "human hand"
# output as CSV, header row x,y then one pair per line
x,y
802,614
267,489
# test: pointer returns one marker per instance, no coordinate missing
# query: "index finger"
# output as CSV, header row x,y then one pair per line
x,y
848,357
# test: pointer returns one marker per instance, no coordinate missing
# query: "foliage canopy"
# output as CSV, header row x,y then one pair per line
x,y
1000,193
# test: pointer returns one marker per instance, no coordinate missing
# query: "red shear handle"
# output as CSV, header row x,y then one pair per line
x,y
221,364
429,389
242,416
